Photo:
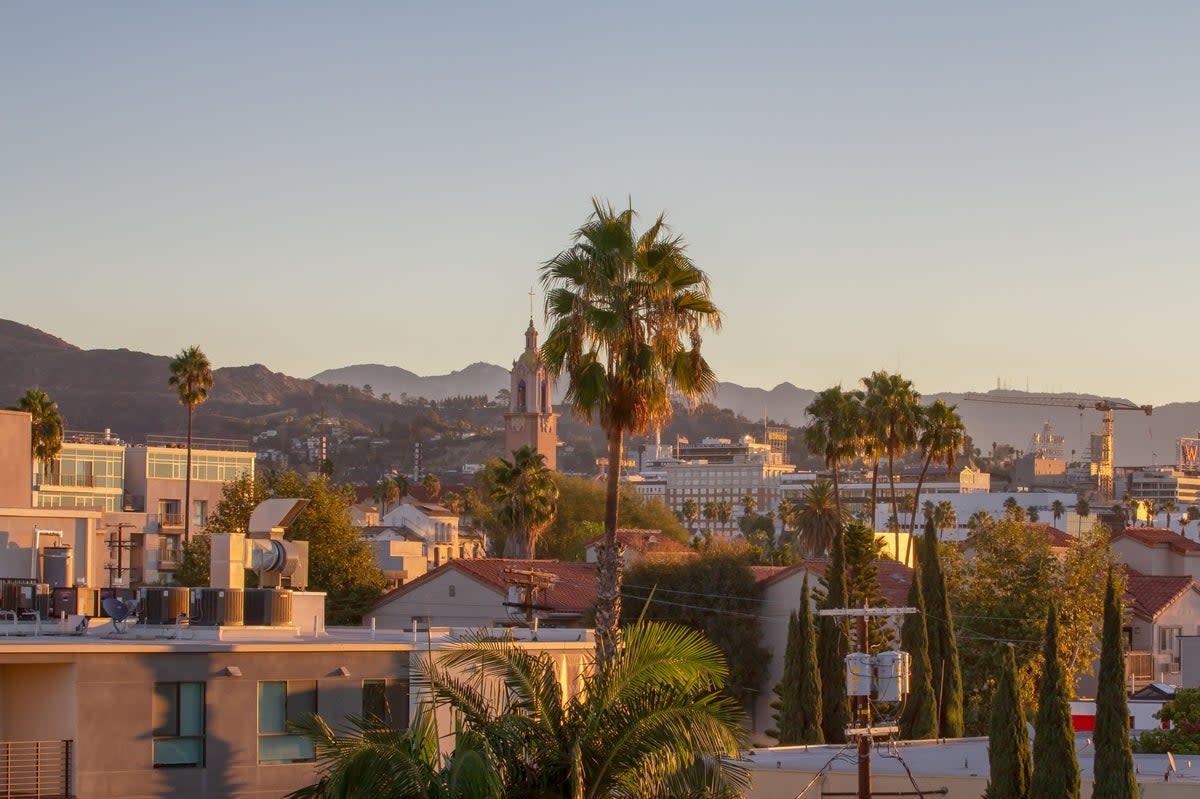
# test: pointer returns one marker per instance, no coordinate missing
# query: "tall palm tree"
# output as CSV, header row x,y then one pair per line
x,y
892,407
819,518
944,516
1169,507
191,375
940,437
1082,507
749,504
833,432
691,512
46,437
1057,509
1151,507
724,512
626,312
526,498
402,485
709,512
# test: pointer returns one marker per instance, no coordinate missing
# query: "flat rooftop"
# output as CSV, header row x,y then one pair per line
x,y
957,757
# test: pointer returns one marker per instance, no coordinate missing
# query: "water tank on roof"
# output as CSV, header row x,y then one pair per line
x,y
56,567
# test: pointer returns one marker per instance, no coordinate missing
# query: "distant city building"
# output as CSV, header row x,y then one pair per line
x,y
531,420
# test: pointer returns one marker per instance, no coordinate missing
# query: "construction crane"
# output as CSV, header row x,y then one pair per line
x,y
1105,467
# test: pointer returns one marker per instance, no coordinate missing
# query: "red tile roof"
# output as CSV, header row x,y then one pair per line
x,y
1157,536
647,542
574,591
1149,595
1058,539
894,577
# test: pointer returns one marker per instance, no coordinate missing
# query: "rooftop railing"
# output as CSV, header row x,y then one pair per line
x,y
178,442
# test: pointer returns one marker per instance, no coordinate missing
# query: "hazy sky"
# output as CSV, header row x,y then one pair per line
x,y
961,191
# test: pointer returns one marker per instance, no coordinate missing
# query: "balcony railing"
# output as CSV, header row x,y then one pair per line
x,y
35,769
170,519
169,556
69,480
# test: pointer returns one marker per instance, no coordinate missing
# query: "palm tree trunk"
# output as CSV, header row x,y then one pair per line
x,y
874,492
895,506
912,522
837,493
608,561
187,485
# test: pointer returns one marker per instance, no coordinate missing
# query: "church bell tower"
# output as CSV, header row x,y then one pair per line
x,y
531,420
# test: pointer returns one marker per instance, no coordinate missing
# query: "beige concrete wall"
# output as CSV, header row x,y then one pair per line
x,y
37,702
473,604
16,460
80,532
1147,560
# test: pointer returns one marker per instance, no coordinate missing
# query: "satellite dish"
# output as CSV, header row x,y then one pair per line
x,y
119,611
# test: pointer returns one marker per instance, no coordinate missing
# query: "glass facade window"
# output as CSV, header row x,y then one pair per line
x,y
279,705
80,466
76,499
386,701
217,467
199,513
178,724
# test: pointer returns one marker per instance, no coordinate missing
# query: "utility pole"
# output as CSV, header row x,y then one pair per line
x,y
120,545
859,679
529,581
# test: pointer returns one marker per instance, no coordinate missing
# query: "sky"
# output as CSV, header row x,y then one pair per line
x,y
968,193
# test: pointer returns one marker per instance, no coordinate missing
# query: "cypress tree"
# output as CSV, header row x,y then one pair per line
x,y
1055,767
799,716
834,645
946,675
919,718
1114,777
1008,741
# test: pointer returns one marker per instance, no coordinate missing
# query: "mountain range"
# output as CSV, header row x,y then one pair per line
x,y
127,391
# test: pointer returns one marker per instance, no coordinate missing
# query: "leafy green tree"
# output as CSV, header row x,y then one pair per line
x,y
1114,775
1009,758
626,313
1055,767
999,592
818,518
239,498
1183,736
798,710
943,643
715,594
940,436
919,718
46,426
194,567
833,431
525,497
833,641
191,376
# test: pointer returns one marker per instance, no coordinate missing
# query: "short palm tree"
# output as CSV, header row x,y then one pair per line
x,y
432,486
653,722
1057,510
749,504
833,432
386,492
402,485
944,516
940,437
724,512
1169,507
191,375
626,313
46,438
526,497
818,518
691,512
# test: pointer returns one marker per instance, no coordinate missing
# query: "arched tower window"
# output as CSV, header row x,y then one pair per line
x,y
545,397
521,407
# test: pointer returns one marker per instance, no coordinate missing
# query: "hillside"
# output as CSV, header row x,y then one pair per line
x,y
127,391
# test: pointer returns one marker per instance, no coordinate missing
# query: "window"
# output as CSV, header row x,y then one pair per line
x,y
386,701
281,704
1168,642
178,724
199,512
452,590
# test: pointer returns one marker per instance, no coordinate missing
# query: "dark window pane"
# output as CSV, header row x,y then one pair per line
x,y
166,710
301,700
375,702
